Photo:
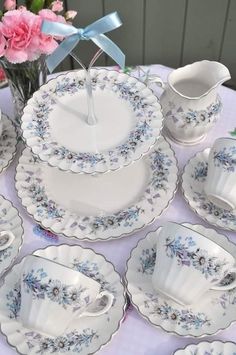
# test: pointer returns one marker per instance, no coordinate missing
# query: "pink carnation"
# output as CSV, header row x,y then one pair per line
x,y
48,43
57,6
3,44
9,5
21,32
49,15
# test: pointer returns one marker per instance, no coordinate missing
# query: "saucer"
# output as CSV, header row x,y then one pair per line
x,y
10,220
129,122
193,180
99,207
8,142
207,348
83,336
214,312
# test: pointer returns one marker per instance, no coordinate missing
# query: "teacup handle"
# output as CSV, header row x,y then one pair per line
x,y
10,236
155,79
226,287
106,308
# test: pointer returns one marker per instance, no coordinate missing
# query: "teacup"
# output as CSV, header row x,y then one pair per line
x,y
188,264
220,185
52,295
6,239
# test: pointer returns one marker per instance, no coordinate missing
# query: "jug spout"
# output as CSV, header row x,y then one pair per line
x,y
198,79
217,72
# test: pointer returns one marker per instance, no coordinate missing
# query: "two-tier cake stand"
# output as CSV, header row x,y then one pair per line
x,y
95,182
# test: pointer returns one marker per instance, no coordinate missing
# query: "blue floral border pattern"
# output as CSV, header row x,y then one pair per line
x,y
185,318
195,117
187,253
200,171
73,341
226,158
160,164
40,286
143,131
13,298
147,261
91,270
6,253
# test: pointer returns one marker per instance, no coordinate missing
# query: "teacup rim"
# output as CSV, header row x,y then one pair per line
x,y
30,256
205,237
223,139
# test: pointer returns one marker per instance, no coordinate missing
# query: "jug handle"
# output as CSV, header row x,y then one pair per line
x,y
155,79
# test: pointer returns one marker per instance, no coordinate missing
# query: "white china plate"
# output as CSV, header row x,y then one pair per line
x,y
193,180
10,220
98,207
207,348
129,122
215,312
8,142
84,336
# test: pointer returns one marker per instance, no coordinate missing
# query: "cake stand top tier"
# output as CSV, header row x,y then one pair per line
x,y
129,122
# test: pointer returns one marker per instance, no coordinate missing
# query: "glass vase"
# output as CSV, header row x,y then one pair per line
x,y
24,79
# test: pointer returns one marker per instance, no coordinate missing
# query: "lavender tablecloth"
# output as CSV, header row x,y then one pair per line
x,y
136,336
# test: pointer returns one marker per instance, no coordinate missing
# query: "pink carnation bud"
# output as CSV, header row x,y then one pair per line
x,y
57,6
70,15
9,5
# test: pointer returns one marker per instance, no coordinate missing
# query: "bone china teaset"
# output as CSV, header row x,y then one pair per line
x,y
69,299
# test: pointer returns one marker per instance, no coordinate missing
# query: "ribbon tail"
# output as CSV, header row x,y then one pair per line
x,y
60,53
110,48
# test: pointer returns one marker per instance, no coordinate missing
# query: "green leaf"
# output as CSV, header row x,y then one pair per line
x,y
128,70
37,5
233,133
1,14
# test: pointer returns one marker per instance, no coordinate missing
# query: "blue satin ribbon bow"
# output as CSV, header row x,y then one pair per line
x,y
73,35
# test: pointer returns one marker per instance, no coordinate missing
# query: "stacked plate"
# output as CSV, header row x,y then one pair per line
x,y
95,182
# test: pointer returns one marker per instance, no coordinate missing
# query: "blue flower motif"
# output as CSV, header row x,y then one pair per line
x,y
55,290
226,158
188,254
195,117
186,318
74,341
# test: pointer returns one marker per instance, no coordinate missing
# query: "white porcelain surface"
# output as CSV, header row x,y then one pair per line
x,y
193,182
188,264
207,348
220,185
214,312
8,142
52,295
6,239
11,221
98,207
82,337
129,122
191,105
